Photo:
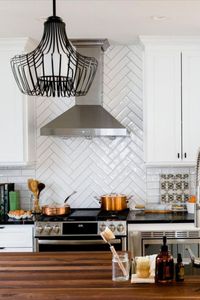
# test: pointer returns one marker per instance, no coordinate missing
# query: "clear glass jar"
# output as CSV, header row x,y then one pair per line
x,y
120,267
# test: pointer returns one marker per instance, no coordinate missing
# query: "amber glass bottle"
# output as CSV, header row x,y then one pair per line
x,y
179,269
164,271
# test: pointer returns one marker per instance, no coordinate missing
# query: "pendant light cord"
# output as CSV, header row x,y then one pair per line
x,y
54,8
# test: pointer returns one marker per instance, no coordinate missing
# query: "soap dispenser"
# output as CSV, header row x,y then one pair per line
x,y
164,271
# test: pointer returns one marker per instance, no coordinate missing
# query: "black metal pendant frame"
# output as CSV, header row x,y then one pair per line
x,y
54,68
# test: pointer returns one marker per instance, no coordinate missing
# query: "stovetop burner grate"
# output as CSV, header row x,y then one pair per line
x,y
113,215
86,215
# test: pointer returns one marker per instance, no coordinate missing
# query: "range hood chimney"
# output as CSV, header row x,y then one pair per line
x,y
88,117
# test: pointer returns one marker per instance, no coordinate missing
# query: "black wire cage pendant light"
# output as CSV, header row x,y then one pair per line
x,y
54,68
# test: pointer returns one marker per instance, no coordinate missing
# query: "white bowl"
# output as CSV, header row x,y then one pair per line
x,y
190,207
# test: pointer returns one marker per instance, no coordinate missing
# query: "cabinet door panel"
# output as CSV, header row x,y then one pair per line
x,y
162,106
191,103
15,240
17,127
11,113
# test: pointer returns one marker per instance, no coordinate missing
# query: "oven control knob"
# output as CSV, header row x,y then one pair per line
x,y
47,229
120,228
112,227
102,227
39,229
56,229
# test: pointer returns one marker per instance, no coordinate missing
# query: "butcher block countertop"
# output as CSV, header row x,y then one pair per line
x,y
79,276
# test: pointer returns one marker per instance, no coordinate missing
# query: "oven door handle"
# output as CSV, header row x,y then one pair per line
x,y
76,242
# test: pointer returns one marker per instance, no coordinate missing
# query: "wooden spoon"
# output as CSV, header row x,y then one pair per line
x,y
41,186
29,183
34,186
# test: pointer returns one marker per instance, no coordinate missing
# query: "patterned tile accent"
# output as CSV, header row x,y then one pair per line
x,y
97,166
174,188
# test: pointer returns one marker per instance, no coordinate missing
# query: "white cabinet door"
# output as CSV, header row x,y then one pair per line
x,y
162,116
11,113
16,238
191,103
16,113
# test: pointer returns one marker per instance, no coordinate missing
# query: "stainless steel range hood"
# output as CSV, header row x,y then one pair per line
x,y
88,117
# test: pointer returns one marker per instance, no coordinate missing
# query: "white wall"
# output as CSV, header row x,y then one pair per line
x,y
97,166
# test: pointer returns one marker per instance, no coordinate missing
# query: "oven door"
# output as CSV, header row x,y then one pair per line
x,y
77,243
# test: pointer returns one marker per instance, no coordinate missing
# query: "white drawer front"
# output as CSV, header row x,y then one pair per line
x,y
16,228
16,239
7,249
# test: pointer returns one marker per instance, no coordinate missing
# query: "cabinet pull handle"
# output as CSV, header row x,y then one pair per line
x,y
2,227
185,155
1,248
178,155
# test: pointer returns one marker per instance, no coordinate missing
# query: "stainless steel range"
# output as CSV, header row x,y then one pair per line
x,y
80,231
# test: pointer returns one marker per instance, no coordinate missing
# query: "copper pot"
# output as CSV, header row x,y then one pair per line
x,y
55,211
113,202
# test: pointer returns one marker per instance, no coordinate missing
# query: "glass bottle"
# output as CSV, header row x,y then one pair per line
x,y
164,271
179,269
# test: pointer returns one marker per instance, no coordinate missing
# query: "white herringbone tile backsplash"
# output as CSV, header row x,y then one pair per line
x,y
101,165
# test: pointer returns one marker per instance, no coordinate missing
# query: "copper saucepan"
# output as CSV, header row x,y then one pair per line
x,y
57,209
113,202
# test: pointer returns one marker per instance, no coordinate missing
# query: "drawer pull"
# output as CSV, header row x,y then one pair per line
x,y
1,248
2,227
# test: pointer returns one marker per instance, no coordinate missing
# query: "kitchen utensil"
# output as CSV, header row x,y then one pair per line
x,y
41,186
33,186
158,208
55,210
107,235
114,202
195,261
29,184
74,192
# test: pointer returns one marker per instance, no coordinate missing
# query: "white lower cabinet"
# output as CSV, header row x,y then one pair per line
x,y
16,238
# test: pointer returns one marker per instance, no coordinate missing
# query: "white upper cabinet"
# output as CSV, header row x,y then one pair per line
x,y
171,101
16,110
191,103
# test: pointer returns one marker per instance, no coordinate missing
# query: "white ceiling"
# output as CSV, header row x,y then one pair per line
x,y
121,21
